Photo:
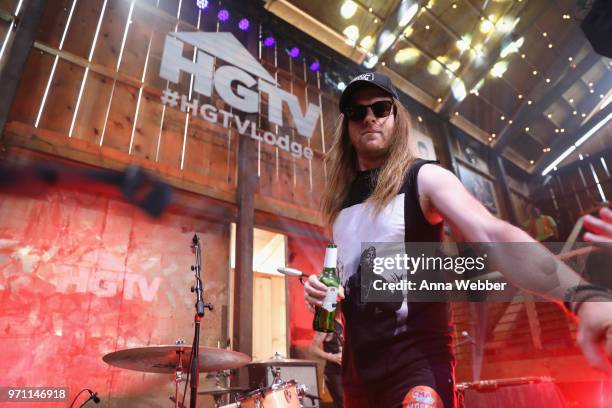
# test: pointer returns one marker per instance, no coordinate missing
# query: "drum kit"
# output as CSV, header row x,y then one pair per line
x,y
173,359
179,359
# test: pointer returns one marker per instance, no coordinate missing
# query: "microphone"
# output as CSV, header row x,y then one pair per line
x,y
285,270
94,397
291,272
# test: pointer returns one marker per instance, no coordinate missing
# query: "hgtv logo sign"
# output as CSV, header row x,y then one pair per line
x,y
249,80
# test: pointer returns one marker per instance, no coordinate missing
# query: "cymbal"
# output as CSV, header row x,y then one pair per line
x,y
222,390
163,359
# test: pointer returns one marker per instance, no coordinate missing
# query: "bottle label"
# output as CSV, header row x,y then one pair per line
x,y
329,302
331,257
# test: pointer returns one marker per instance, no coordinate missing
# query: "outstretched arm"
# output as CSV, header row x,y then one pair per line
x,y
531,267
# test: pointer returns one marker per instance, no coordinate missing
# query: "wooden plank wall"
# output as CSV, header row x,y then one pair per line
x,y
97,99
514,346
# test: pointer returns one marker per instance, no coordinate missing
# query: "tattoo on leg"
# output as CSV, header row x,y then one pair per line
x,y
422,396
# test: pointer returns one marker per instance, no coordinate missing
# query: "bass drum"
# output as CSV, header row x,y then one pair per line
x,y
283,395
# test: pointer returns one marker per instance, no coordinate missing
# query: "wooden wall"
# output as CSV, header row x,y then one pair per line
x,y
83,274
574,191
96,99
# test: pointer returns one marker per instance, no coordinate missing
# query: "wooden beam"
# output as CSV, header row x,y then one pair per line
x,y
243,278
561,145
473,76
56,144
534,322
295,16
500,175
25,136
526,113
448,146
291,227
17,56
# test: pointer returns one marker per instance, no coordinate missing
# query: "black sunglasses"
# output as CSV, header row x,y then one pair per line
x,y
380,109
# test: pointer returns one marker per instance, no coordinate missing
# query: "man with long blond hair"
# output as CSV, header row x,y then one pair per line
x,y
399,354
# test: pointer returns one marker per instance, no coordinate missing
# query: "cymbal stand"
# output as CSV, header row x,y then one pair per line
x,y
178,374
200,306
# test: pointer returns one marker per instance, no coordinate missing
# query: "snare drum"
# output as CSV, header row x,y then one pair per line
x,y
283,395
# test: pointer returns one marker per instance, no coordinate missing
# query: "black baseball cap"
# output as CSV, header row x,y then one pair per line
x,y
368,79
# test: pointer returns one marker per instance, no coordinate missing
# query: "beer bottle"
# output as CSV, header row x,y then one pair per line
x,y
326,314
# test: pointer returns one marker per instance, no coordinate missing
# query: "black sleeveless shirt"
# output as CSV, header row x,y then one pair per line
x,y
385,340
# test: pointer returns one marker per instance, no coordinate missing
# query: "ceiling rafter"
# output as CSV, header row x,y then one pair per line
x,y
450,104
563,145
526,113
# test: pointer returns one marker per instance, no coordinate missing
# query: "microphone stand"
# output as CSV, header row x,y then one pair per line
x,y
200,306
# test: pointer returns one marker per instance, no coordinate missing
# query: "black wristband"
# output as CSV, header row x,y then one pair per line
x,y
581,293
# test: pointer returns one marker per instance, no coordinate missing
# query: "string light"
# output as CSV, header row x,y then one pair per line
x,y
348,9
223,15
294,52
244,24
269,42
486,26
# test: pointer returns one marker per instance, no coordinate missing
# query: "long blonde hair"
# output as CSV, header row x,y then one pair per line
x,y
341,163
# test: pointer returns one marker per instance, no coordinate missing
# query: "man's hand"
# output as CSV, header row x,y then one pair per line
x,y
314,292
595,333
336,358
600,229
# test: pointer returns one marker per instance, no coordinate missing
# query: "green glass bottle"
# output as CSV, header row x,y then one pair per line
x,y
325,315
